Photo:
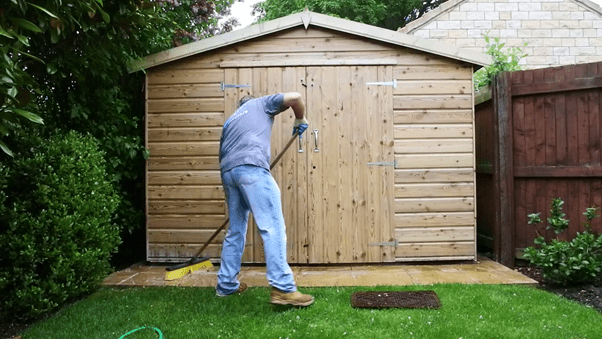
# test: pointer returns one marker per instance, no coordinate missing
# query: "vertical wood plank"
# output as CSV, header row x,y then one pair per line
x,y
503,171
346,221
583,128
388,173
329,153
373,178
289,161
359,171
303,192
315,212
561,130
230,94
146,206
594,127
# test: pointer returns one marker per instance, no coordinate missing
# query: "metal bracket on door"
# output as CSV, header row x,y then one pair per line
x,y
384,83
224,86
382,163
316,150
388,243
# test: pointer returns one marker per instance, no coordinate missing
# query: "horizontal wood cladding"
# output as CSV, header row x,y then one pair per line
x,y
422,87
434,190
183,163
434,219
186,192
433,116
189,236
415,205
186,120
337,44
417,102
216,60
184,76
185,134
182,207
434,234
450,71
193,105
185,222
184,178
165,252
434,160
443,175
433,146
433,131
162,149
436,249
185,91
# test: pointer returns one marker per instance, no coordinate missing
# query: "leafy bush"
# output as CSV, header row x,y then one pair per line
x,y
503,61
56,229
575,261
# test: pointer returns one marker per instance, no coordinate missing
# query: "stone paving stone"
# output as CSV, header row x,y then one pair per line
x,y
371,277
483,271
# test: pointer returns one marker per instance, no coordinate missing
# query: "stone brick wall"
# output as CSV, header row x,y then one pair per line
x,y
557,32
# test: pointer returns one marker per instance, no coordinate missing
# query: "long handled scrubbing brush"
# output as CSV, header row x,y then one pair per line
x,y
177,271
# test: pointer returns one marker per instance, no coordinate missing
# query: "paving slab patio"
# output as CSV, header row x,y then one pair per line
x,y
482,271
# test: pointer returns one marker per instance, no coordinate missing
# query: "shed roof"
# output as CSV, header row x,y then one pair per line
x,y
451,4
307,18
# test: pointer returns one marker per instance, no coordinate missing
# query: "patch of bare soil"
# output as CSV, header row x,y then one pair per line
x,y
586,294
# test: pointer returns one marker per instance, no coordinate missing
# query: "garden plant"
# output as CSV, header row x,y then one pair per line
x,y
565,262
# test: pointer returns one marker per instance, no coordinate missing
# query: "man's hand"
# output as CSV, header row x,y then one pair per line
x,y
300,126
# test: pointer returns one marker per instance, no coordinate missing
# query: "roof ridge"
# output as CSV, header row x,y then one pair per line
x,y
307,18
592,6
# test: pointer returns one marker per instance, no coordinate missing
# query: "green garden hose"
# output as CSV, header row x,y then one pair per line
x,y
141,328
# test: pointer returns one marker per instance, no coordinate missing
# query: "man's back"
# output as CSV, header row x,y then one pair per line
x,y
246,134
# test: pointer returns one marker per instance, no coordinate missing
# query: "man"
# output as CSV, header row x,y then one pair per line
x,y
249,185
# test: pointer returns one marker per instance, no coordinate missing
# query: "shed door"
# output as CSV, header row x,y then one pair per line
x,y
337,196
350,165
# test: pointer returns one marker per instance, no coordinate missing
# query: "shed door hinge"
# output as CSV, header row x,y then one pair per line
x,y
384,83
388,243
383,163
224,86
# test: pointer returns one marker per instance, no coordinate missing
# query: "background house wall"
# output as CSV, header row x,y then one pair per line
x,y
557,32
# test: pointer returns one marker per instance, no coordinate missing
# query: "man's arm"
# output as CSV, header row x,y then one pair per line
x,y
295,101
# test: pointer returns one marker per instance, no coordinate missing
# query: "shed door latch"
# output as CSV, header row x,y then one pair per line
x,y
387,243
384,83
224,86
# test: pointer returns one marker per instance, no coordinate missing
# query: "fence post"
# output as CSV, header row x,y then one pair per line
x,y
503,170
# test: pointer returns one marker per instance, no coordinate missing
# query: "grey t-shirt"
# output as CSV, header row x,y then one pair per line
x,y
246,134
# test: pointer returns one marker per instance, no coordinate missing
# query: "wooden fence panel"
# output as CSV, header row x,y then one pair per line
x,y
555,151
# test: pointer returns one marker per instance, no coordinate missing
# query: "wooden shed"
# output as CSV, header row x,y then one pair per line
x,y
387,171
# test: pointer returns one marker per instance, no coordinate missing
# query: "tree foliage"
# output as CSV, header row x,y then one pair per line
x,y
65,64
390,14
49,49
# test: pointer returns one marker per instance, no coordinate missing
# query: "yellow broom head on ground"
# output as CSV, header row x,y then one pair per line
x,y
180,270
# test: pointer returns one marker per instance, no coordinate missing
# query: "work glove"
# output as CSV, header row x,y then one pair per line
x,y
300,126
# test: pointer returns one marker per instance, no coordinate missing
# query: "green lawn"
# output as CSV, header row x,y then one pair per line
x,y
468,311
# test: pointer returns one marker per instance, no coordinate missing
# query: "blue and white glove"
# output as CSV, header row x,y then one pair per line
x,y
300,126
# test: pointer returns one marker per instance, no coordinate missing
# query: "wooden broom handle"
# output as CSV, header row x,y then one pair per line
x,y
274,162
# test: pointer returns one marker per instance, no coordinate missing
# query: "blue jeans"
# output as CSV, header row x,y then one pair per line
x,y
252,188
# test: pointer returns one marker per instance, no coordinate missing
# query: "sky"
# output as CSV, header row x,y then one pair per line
x,y
242,10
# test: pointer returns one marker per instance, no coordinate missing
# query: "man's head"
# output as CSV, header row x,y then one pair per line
x,y
245,99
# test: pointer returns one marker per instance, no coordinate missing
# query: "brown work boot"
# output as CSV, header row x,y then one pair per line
x,y
292,298
241,288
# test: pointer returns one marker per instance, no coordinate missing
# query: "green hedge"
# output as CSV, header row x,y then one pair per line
x,y
56,230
